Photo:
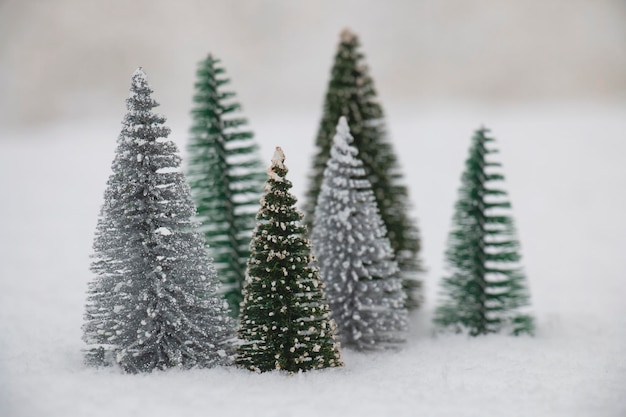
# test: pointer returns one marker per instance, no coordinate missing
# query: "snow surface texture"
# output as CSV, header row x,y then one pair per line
x,y
565,174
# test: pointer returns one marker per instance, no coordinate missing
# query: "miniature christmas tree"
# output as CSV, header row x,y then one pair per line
x,y
355,258
486,289
285,320
153,303
225,175
351,94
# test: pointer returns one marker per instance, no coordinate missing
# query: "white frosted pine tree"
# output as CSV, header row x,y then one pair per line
x,y
153,303
355,258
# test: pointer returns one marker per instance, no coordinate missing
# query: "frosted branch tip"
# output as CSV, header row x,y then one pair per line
x,y
139,76
278,158
342,126
347,36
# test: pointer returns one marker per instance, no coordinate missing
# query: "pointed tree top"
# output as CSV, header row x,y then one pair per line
x,y
347,36
277,166
342,142
139,78
278,158
343,133
139,98
483,130
211,58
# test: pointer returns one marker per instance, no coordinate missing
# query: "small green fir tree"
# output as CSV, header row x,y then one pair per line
x,y
485,291
226,177
351,93
285,321
153,302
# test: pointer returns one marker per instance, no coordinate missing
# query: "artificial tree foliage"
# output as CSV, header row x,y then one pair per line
x,y
485,290
153,303
356,262
285,321
351,93
226,176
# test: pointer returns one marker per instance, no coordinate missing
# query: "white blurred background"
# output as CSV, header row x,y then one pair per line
x,y
71,59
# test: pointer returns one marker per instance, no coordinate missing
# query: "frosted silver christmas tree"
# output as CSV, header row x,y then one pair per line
x,y
356,263
153,302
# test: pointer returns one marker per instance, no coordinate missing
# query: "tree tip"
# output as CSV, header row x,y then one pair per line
x,y
139,77
139,72
348,36
279,158
211,58
342,138
342,126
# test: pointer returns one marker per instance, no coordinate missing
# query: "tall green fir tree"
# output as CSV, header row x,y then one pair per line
x,y
351,93
153,303
485,290
226,176
355,258
285,321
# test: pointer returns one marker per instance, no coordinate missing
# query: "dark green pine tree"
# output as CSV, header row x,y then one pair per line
x,y
485,291
226,177
153,303
351,94
285,321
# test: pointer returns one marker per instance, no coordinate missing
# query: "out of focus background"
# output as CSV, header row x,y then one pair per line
x,y
547,76
71,59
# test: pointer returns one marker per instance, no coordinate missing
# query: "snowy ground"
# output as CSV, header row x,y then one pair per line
x,y
566,177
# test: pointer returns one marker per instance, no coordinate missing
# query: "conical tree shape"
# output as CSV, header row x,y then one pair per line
x,y
226,177
351,94
356,261
153,303
285,320
485,291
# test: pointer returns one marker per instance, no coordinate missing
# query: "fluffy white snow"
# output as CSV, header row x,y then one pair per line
x,y
566,179
164,231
